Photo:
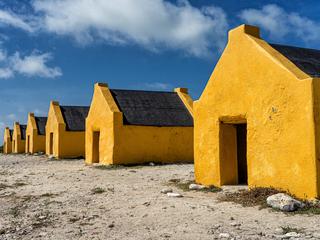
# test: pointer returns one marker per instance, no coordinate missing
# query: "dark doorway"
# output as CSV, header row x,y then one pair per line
x,y
28,144
233,153
242,153
96,147
51,144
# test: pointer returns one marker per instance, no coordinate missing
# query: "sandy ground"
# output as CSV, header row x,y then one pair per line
x,y
54,199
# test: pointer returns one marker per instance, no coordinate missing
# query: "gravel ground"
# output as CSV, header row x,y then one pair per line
x,y
64,199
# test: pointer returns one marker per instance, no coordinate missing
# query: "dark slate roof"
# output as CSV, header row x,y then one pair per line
x,y
41,125
150,108
308,60
11,133
75,117
23,129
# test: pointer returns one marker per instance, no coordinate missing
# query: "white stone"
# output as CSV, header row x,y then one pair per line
x,y
224,235
278,231
172,194
235,224
291,235
166,190
316,235
284,202
151,164
194,186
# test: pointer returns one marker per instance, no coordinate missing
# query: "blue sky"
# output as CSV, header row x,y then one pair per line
x,y
57,49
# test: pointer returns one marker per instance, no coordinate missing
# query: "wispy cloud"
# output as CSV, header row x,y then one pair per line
x,y
11,19
6,73
39,112
155,25
11,116
157,86
280,23
33,65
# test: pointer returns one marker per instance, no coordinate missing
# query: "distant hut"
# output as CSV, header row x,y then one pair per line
x,y
130,127
36,134
19,138
65,131
7,140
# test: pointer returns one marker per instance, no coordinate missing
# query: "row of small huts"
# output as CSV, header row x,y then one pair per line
x,y
257,121
119,127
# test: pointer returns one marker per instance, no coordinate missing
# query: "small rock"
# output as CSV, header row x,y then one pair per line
x,y
172,194
224,235
194,186
42,217
278,231
51,157
235,224
284,202
42,234
111,225
166,190
291,235
151,164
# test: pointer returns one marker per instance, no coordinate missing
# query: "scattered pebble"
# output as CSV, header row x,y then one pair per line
x,y
172,194
194,186
224,235
290,235
166,190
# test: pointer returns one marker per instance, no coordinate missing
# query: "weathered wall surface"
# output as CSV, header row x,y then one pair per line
x,y
66,144
254,82
18,145
125,144
34,142
7,143
139,144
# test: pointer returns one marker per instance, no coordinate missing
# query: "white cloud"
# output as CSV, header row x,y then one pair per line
x,y
6,73
279,23
156,24
3,55
11,116
39,112
34,65
14,20
158,86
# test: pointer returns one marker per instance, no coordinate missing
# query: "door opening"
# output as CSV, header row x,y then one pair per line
x,y
14,146
96,147
233,154
242,153
28,144
51,144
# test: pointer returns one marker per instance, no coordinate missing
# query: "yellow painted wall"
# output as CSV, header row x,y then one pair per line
x,y
66,144
252,82
127,144
18,145
7,143
34,142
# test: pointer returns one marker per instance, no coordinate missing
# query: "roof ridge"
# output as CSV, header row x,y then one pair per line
x,y
292,46
134,90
